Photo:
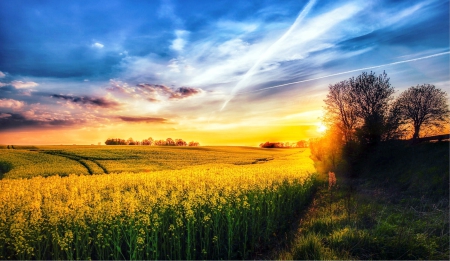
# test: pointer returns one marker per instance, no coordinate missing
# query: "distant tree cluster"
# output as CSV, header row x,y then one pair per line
x,y
298,144
151,142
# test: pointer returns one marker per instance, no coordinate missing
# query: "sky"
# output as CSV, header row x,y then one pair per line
x,y
217,72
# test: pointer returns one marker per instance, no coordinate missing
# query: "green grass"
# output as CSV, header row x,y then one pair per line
x,y
31,161
397,208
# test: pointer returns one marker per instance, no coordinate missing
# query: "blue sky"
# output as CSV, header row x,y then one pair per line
x,y
187,68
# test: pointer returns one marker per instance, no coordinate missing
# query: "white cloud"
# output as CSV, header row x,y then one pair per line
x,y
98,45
167,10
10,103
23,85
174,66
179,42
2,74
220,59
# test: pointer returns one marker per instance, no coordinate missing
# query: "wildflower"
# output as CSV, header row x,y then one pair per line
x,y
331,179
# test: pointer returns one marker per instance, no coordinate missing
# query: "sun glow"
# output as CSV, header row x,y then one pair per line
x,y
321,128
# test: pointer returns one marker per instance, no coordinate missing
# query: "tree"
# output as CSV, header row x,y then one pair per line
x,y
302,144
370,96
130,141
193,144
360,108
423,105
340,109
170,142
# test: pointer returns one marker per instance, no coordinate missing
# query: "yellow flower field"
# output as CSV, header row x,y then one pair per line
x,y
210,211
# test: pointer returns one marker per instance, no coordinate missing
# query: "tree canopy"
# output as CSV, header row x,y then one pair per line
x,y
423,106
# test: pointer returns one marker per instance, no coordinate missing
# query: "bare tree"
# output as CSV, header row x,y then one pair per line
x,y
340,108
423,105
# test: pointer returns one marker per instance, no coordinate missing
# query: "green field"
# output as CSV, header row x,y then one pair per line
x,y
32,161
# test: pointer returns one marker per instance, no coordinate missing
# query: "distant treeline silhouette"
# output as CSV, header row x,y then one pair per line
x,y
151,142
298,144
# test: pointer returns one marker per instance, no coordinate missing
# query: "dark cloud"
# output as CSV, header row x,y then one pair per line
x,y
100,102
10,121
143,119
184,92
173,94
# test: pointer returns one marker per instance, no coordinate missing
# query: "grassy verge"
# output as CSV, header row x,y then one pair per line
x,y
396,209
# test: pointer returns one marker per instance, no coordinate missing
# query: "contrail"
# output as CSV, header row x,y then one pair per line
x,y
356,70
269,51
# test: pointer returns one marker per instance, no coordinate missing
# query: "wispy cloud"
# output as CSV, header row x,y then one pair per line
x,y
167,10
143,119
152,92
19,121
98,102
23,85
2,74
98,45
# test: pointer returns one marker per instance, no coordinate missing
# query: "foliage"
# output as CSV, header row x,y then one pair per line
x,y
213,211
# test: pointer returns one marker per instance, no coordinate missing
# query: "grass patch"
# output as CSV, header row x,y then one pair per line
x,y
397,208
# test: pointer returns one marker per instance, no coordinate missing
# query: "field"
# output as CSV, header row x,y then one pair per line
x,y
32,161
139,202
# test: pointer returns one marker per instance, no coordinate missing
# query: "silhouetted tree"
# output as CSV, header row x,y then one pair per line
x,y
360,108
370,95
130,141
302,144
423,105
180,142
340,109
170,142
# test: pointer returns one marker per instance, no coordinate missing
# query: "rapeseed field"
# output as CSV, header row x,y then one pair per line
x,y
204,211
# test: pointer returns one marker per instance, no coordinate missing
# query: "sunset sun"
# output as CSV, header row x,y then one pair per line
x,y
321,128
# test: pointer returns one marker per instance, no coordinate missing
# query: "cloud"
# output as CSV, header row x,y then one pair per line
x,y
153,92
19,121
23,85
97,45
171,93
143,119
179,42
4,115
167,10
2,74
98,102
10,103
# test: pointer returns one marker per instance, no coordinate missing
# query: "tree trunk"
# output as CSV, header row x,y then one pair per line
x,y
416,132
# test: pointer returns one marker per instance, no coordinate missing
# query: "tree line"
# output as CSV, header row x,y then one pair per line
x,y
298,144
151,142
362,111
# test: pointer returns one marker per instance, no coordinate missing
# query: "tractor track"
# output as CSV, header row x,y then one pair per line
x,y
82,160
